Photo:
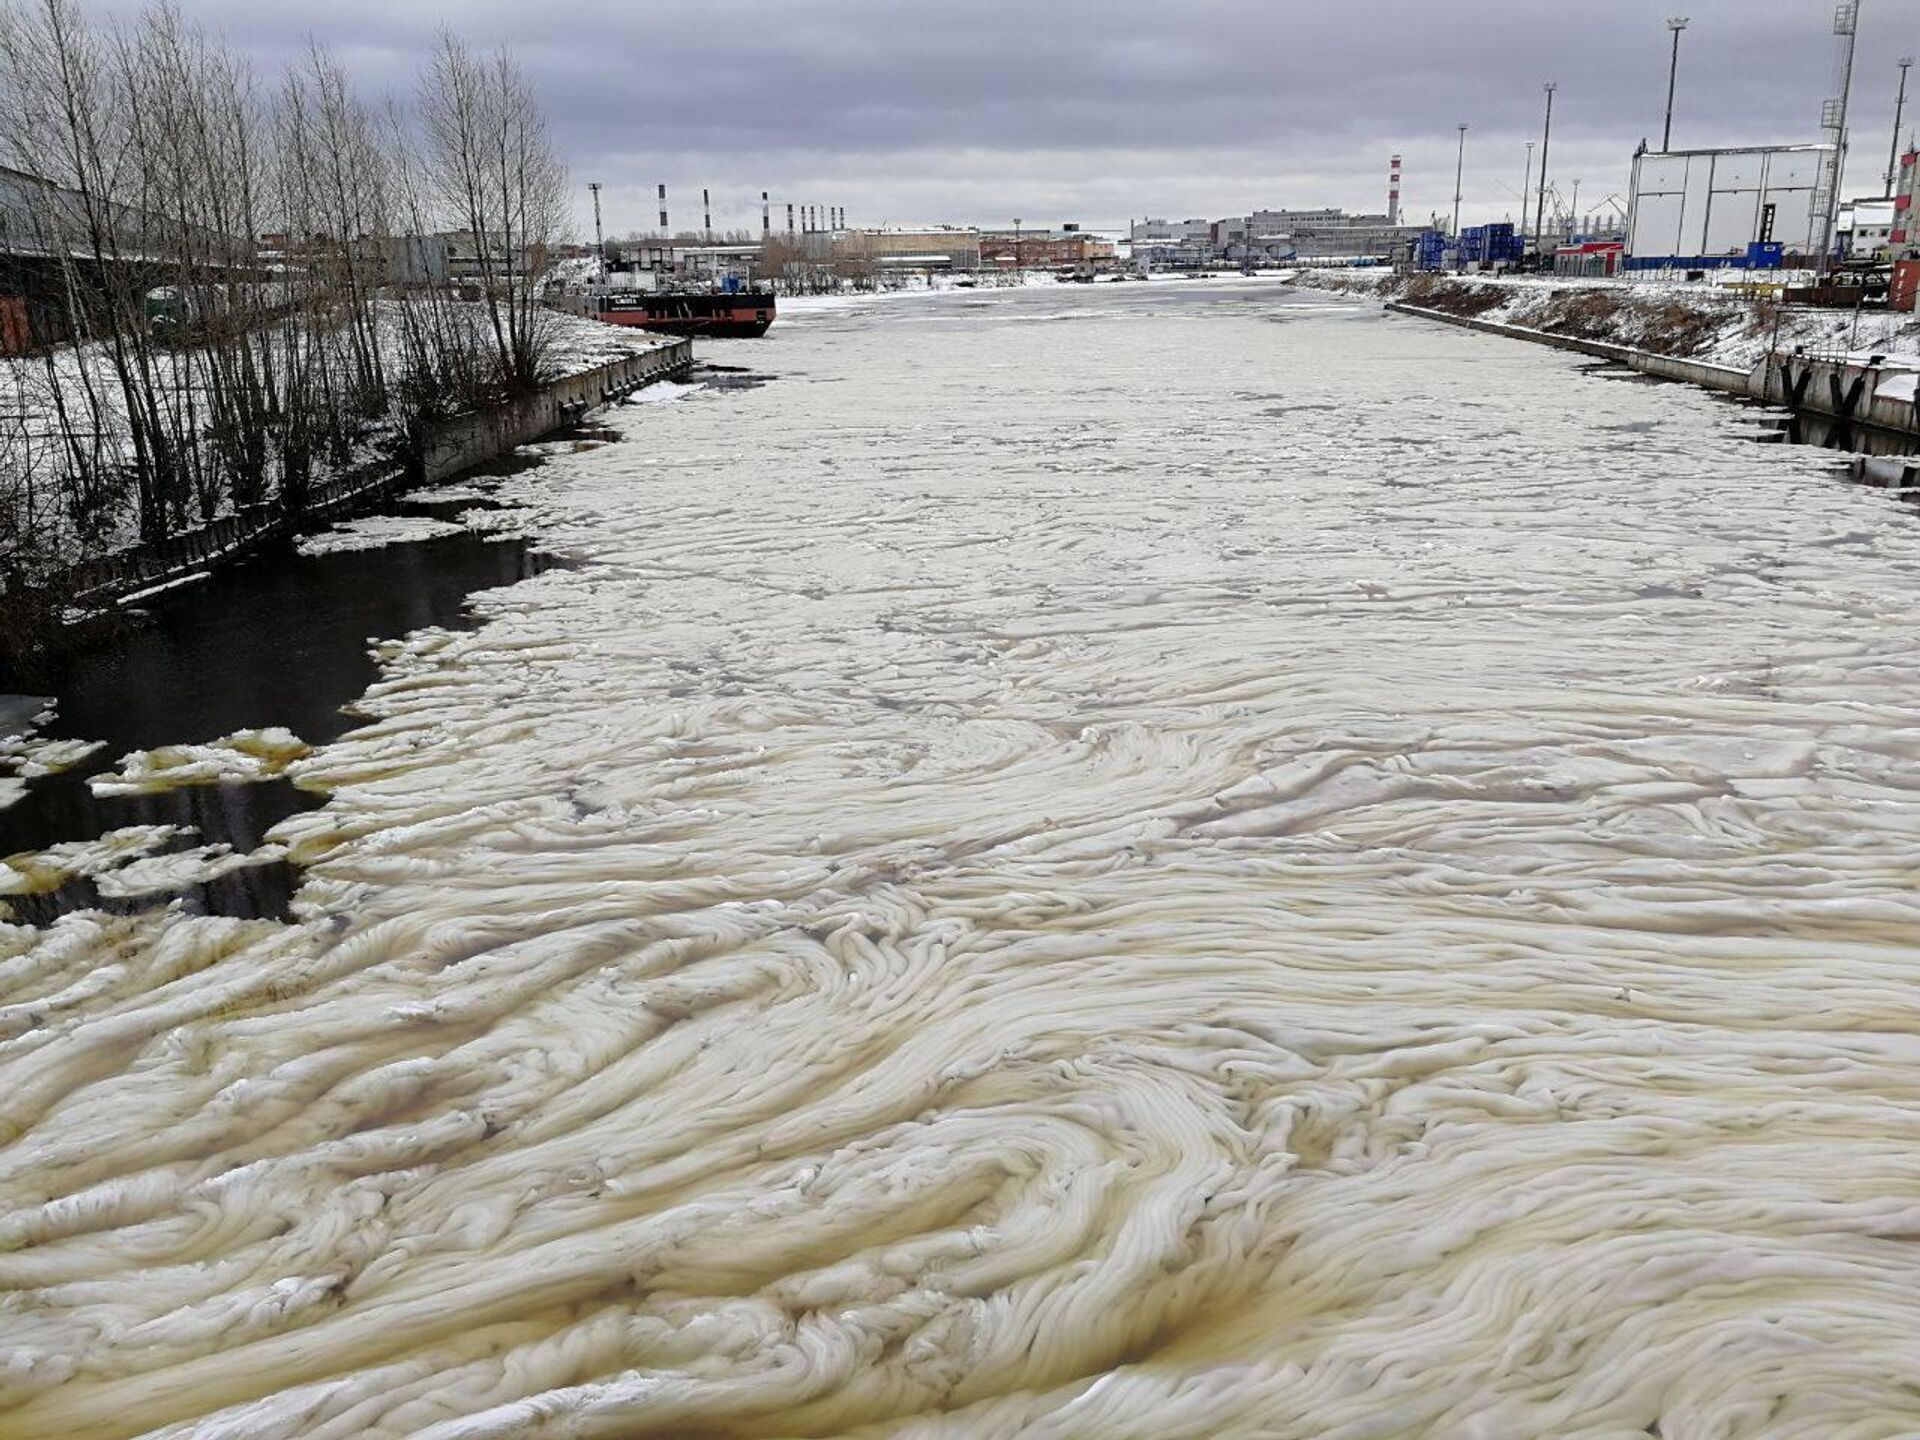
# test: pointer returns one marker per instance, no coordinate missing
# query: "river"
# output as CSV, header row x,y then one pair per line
x,y
1122,861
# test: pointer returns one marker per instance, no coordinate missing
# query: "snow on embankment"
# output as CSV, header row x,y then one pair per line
x,y
581,343
1695,321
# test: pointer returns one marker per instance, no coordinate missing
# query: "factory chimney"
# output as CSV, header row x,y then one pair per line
x,y
663,210
1393,193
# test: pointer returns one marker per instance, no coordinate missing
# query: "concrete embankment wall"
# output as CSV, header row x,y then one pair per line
x,y
438,453
1832,386
1599,348
470,440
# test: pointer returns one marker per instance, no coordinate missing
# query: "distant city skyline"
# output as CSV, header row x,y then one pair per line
x,y
1103,113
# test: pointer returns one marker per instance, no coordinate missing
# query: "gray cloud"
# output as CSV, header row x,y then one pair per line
x,y
906,110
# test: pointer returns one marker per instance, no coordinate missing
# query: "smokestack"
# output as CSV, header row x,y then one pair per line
x,y
663,211
766,217
1393,194
706,216
789,217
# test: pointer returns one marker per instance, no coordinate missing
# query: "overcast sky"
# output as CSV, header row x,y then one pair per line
x,y
975,111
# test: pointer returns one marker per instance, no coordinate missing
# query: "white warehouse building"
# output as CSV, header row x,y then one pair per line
x,y
1702,208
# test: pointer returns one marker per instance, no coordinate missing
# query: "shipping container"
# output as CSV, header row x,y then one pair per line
x,y
1491,245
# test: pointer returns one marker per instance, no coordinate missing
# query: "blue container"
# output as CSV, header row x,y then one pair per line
x,y
1490,245
1766,255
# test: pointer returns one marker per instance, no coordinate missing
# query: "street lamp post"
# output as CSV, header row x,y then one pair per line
x,y
1546,143
1899,112
1677,24
599,237
1526,185
1459,169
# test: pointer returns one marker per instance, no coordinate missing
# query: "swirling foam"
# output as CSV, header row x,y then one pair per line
x,y
1258,874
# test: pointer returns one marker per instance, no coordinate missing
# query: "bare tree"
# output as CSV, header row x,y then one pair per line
x,y
494,170
237,288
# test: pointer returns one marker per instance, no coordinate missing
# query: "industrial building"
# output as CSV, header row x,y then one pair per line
x,y
1701,209
1171,232
1866,228
940,247
1903,236
1270,237
1069,247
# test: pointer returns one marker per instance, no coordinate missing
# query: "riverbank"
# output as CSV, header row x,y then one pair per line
x,y
1866,389
590,370
1703,322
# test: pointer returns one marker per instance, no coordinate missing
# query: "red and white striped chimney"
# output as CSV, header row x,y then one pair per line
x,y
1393,194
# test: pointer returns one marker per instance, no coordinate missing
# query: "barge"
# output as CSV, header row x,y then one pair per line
x,y
742,314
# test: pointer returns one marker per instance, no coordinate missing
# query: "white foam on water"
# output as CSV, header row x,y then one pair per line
x,y
49,869
244,756
375,532
1286,879
180,869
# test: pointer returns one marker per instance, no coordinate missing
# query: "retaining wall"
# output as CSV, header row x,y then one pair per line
x,y
457,445
1850,390
1860,394
438,453
1600,348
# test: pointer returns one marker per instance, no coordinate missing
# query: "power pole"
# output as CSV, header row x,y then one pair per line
x,y
1459,170
1019,270
1546,144
1677,24
1899,112
599,238
1526,187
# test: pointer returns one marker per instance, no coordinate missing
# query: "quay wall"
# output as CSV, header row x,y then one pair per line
x,y
470,440
1842,387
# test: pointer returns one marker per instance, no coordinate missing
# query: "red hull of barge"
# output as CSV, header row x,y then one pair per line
x,y
724,317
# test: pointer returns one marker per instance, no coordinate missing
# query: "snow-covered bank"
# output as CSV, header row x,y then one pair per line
x,y
1697,321
48,399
